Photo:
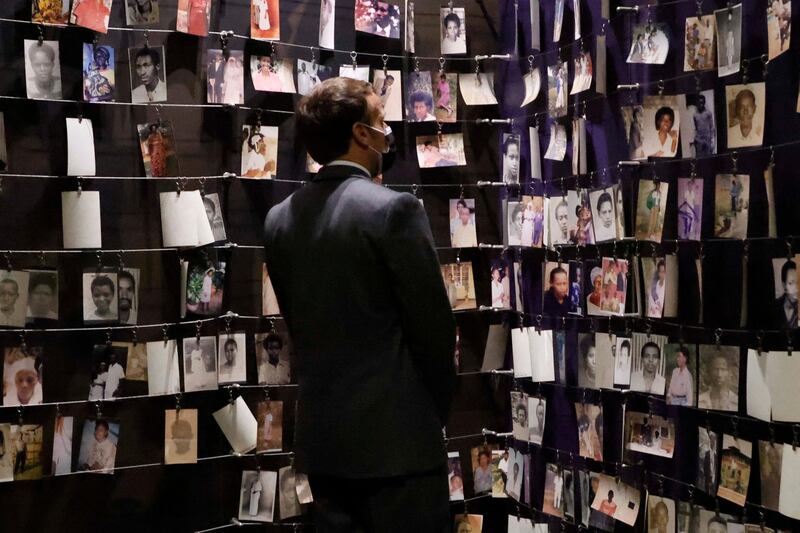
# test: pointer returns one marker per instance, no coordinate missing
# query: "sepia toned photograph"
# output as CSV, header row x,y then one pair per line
x,y
225,76
718,378
650,434
99,83
92,14
180,436
557,90
42,70
587,361
779,27
135,360
452,24
698,128
377,18
273,356
159,155
651,209
257,495
140,12
445,150
42,295
265,22
22,377
700,43
616,499
649,44
148,74
269,415
707,460
681,360
272,75
98,449
734,469
387,85
462,223
661,120
519,415
661,517
553,490
200,363
259,152
458,281
194,17
590,430
729,39
468,523
690,208
731,205
27,443
477,89
770,459
745,106
647,364
622,360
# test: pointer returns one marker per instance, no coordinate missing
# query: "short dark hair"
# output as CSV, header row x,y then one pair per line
x,y
511,139
451,17
389,77
152,53
557,270
230,340
787,266
101,422
651,344
99,281
325,116
486,453
603,198
42,279
462,203
744,93
665,111
272,337
42,47
587,342
421,96
209,202
125,274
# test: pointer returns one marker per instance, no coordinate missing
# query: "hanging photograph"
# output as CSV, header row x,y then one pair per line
x,y
690,208
555,300
622,355
582,77
477,89
729,39
355,72
680,371
462,223
731,206
148,74
232,354
377,18
661,515
612,300
257,495
200,363
707,460
519,415
557,90
587,361
459,284
719,378
734,469
98,449
269,74
310,74
558,210
42,295
273,356
785,303
455,478
581,230
387,85
27,445
42,70
265,22
698,126
62,446
661,121
22,377
533,84
650,210
700,43
163,373
269,415
616,499
446,150
327,21
654,272
590,430
193,17
446,92
770,458
419,97
107,378
526,222
745,109
98,73
92,14
633,119
204,286
779,26
603,216
157,142
99,297
51,11
553,490
650,434
647,363
500,273
128,295
558,20
140,12
213,211
557,146
136,360
225,76
537,408
649,44
511,152
259,151
454,30
180,436
468,522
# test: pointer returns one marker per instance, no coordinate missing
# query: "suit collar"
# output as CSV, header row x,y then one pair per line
x,y
341,172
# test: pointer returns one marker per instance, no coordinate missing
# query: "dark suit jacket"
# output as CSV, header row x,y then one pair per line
x,y
358,281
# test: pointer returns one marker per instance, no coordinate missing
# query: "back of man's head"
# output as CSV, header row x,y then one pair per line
x,y
326,115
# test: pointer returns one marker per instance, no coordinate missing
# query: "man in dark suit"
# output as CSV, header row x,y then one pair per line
x,y
358,281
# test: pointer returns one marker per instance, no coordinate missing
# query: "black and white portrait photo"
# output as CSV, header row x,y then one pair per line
x,y
200,363
647,365
310,74
148,74
719,378
603,215
273,351
42,70
13,297
100,297
453,30
729,39
745,105
214,214
257,499
232,352
128,295
511,158
698,125
707,460
649,44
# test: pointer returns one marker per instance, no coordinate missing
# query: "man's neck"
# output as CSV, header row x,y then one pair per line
x,y
151,87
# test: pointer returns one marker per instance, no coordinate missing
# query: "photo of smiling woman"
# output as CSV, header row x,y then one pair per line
x,y
661,126
454,31
99,297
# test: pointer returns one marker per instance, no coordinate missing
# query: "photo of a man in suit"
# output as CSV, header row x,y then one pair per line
x,y
373,331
